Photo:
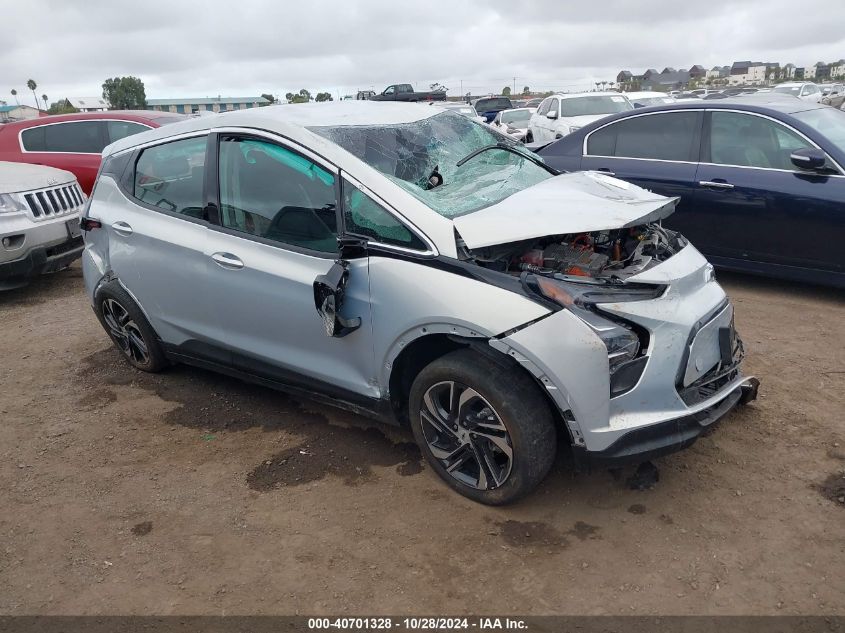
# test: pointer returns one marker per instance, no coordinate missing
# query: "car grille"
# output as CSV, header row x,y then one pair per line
x,y
53,202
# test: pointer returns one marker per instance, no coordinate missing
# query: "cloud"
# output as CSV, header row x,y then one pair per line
x,y
246,47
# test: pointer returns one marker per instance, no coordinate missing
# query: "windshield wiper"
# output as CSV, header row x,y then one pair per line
x,y
507,148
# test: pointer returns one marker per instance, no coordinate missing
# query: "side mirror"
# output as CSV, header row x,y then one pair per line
x,y
809,158
328,299
638,105
551,115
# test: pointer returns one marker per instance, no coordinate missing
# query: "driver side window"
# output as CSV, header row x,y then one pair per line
x,y
554,106
544,107
274,193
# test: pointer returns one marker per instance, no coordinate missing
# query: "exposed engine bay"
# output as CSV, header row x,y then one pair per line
x,y
616,253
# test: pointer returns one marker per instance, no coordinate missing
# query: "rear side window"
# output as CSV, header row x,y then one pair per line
x,y
170,176
271,192
364,216
121,129
79,137
666,136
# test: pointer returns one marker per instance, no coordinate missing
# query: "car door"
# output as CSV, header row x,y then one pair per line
x,y
157,238
765,208
277,233
537,120
71,145
657,151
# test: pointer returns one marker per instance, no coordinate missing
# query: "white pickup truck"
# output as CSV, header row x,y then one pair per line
x,y
39,221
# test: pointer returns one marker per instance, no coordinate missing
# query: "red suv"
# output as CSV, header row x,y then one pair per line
x,y
74,141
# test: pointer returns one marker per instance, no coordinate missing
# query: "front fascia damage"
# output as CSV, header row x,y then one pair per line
x,y
580,202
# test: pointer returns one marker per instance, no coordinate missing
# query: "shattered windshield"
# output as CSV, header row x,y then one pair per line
x,y
408,154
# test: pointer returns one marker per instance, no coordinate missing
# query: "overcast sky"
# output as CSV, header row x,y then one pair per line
x,y
248,47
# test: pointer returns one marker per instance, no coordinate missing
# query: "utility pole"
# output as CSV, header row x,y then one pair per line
x,y
514,86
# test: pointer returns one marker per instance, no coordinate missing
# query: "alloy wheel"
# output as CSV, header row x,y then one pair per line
x,y
466,435
125,332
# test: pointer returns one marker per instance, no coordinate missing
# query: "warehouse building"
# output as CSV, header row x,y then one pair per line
x,y
192,106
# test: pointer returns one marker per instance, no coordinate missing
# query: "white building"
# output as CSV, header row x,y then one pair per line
x,y
837,69
88,104
220,104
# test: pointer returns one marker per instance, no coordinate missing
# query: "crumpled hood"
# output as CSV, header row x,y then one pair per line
x,y
19,177
579,202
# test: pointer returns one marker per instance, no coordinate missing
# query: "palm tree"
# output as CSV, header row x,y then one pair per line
x,y
611,84
44,99
32,86
15,95
603,84
597,86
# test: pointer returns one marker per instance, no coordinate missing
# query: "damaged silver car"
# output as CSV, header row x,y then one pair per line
x,y
410,264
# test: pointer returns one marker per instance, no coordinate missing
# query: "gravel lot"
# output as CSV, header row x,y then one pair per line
x,y
191,493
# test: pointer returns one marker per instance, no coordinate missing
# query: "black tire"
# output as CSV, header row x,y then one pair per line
x,y
516,404
129,329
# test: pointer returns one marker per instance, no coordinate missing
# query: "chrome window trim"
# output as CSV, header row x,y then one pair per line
x,y
45,151
431,251
841,173
279,139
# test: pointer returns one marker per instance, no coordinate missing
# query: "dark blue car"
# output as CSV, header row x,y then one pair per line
x,y
761,179
489,107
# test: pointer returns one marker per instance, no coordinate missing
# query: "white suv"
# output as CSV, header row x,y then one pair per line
x,y
39,221
560,115
805,91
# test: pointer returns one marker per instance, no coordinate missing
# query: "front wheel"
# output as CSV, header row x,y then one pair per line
x,y
486,429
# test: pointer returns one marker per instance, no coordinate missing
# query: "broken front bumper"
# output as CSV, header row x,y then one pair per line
x,y
667,437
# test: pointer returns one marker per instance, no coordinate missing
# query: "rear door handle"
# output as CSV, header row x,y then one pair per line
x,y
715,185
227,260
122,228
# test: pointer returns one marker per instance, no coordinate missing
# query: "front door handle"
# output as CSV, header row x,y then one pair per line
x,y
227,260
122,228
715,184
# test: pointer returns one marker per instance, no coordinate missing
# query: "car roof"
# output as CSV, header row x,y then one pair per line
x,y
646,93
577,95
761,103
127,115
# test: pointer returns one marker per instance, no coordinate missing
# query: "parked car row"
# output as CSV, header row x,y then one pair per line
x,y
47,170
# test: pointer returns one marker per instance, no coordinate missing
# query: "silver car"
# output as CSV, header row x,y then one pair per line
x,y
410,264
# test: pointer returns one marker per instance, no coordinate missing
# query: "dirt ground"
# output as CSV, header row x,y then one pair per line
x,y
192,493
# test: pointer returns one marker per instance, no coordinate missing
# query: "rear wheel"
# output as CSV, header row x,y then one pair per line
x,y
483,427
128,328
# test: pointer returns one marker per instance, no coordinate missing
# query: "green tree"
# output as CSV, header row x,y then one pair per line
x,y
303,96
15,95
61,107
269,98
44,99
526,90
506,91
32,86
125,93
323,96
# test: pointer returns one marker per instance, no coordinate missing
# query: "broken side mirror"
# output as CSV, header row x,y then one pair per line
x,y
809,158
328,299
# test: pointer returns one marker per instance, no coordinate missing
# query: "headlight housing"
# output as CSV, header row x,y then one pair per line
x,y
623,341
9,204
